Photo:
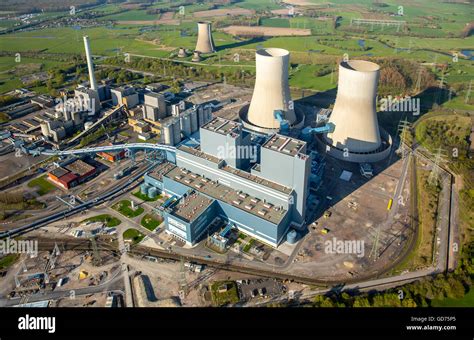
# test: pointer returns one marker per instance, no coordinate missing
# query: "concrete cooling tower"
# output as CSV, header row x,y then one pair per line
x,y
205,44
90,65
271,101
356,136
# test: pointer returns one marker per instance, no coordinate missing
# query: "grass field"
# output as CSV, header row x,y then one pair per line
x,y
466,301
8,260
134,235
145,198
124,207
43,185
230,296
150,221
110,221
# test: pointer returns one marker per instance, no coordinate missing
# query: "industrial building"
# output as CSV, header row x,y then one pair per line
x,y
205,184
124,95
71,174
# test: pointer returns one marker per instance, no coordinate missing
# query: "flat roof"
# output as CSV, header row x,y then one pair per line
x,y
199,153
191,206
220,192
161,170
79,167
58,172
222,126
284,144
257,179
154,95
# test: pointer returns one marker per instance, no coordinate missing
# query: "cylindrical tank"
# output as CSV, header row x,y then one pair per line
x,y
152,192
167,133
194,120
354,115
271,91
185,122
205,43
176,131
200,112
292,236
207,114
144,188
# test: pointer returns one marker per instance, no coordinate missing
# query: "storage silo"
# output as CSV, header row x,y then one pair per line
x,y
194,120
176,131
185,122
152,192
144,188
167,133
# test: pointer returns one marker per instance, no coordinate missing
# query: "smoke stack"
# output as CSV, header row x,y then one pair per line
x,y
357,136
205,44
90,65
271,91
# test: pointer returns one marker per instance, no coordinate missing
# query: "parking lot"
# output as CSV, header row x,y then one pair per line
x,y
249,289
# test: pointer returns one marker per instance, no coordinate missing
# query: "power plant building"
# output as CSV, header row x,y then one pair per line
x,y
255,202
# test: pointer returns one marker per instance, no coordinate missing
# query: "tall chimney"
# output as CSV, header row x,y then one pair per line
x,y
90,65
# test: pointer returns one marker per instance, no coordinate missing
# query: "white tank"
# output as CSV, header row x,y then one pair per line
x,y
354,115
271,91
168,134
205,43
185,122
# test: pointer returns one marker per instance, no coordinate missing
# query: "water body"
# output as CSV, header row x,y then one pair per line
x,y
468,53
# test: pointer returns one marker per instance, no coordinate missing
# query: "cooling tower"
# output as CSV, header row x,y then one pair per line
x,y
205,44
356,136
90,65
271,91
196,56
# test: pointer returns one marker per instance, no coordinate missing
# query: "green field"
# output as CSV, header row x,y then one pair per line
x,y
150,221
134,235
145,198
110,221
230,296
43,185
466,301
8,260
124,207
